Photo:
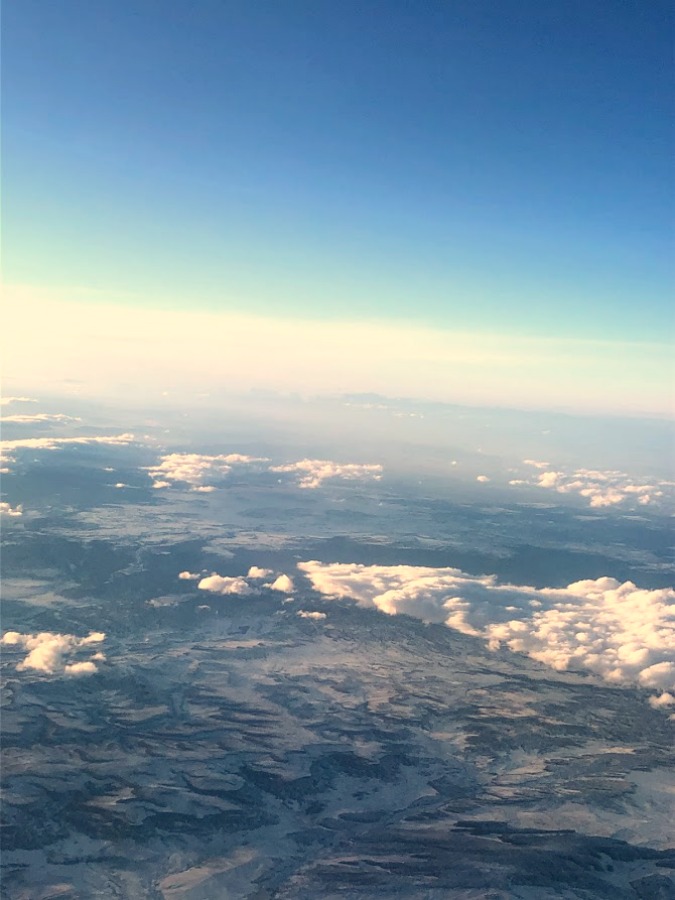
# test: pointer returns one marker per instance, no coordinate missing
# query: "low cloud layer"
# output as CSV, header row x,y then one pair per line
x,y
313,472
599,488
623,633
8,449
56,654
5,401
25,418
198,469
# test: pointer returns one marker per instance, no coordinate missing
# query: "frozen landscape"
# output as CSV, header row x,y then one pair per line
x,y
240,674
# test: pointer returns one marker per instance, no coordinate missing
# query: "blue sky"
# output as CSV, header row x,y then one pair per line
x,y
498,166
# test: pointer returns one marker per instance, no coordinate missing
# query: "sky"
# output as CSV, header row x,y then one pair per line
x,y
470,201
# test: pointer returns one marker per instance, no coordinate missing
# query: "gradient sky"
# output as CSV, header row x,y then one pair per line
x,y
489,166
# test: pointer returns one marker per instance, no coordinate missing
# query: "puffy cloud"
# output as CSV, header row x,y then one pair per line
x,y
10,511
25,418
239,584
223,584
283,583
80,668
310,615
195,468
482,478
257,572
600,488
52,653
621,632
313,472
661,700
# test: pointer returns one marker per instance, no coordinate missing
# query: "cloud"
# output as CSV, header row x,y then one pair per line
x,y
661,700
257,572
283,583
80,668
189,576
222,584
238,584
5,401
310,615
313,472
52,653
195,468
11,511
600,487
619,631
482,478
23,418
9,448
55,443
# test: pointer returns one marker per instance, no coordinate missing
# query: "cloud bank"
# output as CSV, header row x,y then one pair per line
x,y
54,654
313,472
600,488
195,469
8,448
5,401
25,418
620,632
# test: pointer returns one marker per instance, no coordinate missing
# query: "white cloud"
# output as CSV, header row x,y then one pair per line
x,y
621,632
223,584
600,487
80,668
661,700
121,484
239,584
5,401
195,468
313,472
24,418
482,478
257,572
9,448
54,443
283,583
11,511
52,653
310,615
